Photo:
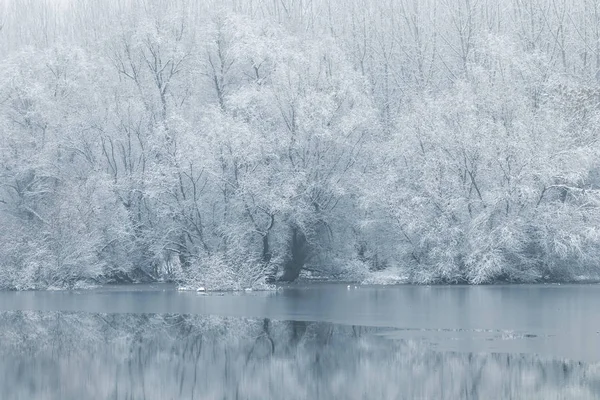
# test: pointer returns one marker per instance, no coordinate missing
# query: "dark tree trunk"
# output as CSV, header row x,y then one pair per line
x,y
299,253
266,253
266,259
184,255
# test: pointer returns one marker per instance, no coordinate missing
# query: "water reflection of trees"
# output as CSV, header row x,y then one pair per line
x,y
123,356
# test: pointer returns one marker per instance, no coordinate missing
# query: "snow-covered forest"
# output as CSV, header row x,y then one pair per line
x,y
236,142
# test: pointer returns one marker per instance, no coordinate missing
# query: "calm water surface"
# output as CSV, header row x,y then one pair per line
x,y
316,341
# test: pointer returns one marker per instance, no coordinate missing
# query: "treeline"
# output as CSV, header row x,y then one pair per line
x,y
232,144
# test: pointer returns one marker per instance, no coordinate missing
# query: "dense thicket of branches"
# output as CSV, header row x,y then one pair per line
x,y
229,143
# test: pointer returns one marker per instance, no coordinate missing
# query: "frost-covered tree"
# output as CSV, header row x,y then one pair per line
x,y
234,142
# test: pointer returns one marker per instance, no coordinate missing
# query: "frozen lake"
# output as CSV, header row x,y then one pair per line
x,y
313,341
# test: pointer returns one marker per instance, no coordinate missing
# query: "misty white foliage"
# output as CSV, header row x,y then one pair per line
x,y
226,145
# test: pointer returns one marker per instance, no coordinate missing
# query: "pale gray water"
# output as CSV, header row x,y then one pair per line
x,y
318,341
550,320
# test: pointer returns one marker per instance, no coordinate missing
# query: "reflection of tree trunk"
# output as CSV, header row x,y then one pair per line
x,y
267,332
298,329
299,254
